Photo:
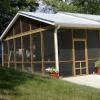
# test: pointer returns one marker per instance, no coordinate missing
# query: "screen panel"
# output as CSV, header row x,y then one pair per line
x,y
5,51
25,24
92,68
17,27
79,47
65,69
11,53
26,48
93,44
36,47
48,41
37,67
65,44
18,50
79,33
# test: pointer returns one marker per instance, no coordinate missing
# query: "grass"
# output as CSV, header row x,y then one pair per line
x,y
16,85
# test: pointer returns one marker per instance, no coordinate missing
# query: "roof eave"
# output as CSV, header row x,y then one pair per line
x,y
16,17
84,26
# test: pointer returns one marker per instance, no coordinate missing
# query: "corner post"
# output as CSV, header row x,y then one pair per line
x,y
56,48
2,53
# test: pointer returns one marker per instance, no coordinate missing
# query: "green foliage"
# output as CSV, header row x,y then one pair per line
x,y
8,8
62,6
97,63
88,6
4,11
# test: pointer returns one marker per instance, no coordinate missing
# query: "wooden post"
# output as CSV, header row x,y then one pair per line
x,y
86,54
31,50
42,53
73,54
80,67
14,49
8,55
56,48
22,46
2,44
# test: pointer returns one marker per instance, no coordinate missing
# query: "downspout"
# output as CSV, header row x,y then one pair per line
x,y
56,48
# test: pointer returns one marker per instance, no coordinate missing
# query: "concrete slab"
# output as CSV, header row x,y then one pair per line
x,y
87,80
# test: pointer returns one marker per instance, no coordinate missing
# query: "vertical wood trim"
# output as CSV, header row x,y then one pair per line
x,y
31,50
86,54
14,49
22,45
8,55
73,54
2,44
80,68
42,53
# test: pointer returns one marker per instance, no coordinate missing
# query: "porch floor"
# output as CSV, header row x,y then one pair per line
x,y
87,80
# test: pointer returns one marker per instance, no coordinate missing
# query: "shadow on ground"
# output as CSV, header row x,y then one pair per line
x,y
9,79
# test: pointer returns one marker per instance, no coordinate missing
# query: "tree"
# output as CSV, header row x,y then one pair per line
x,y
59,5
8,9
88,6
4,14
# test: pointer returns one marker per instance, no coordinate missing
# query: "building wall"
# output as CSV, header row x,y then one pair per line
x,y
65,51
29,46
66,37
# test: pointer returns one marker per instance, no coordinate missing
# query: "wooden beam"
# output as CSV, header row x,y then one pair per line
x,y
86,54
2,44
14,50
29,32
31,50
8,55
73,54
42,53
77,39
22,45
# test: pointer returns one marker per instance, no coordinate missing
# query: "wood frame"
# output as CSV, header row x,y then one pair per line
x,y
2,53
42,52
40,30
14,49
22,45
73,54
31,50
86,54
30,32
8,55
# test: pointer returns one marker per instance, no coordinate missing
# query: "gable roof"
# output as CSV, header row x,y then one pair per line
x,y
63,19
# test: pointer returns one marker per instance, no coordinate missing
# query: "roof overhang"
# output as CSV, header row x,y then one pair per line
x,y
64,20
25,15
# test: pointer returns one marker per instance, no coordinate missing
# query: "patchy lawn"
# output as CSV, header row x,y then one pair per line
x,y
16,85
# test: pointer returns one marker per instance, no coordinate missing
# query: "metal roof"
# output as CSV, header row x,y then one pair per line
x,y
86,16
62,18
